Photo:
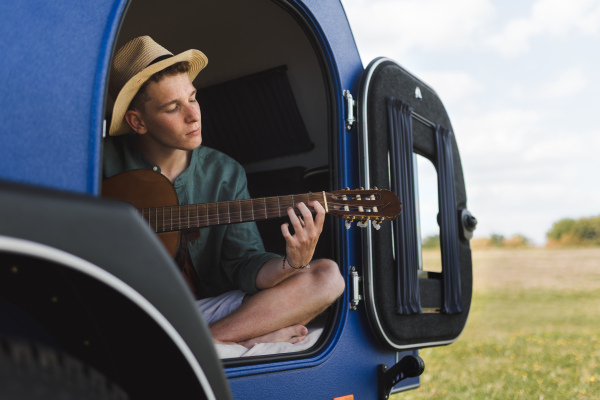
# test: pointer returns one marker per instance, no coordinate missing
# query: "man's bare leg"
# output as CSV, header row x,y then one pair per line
x,y
294,301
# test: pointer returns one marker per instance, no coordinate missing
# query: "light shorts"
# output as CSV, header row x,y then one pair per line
x,y
215,308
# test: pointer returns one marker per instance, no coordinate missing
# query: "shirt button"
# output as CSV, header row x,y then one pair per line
x,y
155,168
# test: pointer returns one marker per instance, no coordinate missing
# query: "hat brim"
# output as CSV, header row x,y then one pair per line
x,y
118,125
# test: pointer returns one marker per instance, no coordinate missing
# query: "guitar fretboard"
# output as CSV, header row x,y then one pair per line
x,y
175,218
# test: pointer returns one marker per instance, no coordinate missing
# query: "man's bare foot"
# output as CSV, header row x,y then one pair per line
x,y
291,334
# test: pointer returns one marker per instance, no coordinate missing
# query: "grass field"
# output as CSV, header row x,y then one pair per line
x,y
533,331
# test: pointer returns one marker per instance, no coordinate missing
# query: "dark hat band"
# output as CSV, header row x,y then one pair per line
x,y
157,59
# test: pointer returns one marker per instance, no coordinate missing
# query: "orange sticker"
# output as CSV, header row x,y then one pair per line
x,y
348,397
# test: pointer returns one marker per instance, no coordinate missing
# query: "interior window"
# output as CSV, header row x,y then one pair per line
x,y
426,194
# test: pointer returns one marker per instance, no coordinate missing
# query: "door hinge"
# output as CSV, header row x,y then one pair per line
x,y
350,104
356,297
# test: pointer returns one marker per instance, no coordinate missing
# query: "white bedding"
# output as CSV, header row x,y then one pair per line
x,y
259,349
215,308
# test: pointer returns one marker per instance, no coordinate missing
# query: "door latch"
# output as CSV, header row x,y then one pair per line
x,y
356,297
409,367
350,120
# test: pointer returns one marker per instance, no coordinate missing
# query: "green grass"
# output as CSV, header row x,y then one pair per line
x,y
529,338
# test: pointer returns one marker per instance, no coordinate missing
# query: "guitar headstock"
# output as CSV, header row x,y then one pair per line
x,y
362,205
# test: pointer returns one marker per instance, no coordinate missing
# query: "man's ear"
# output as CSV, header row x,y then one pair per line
x,y
135,120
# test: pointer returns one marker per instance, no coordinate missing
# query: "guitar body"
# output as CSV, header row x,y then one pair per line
x,y
145,189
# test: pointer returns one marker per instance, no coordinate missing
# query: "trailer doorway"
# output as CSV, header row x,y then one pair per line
x,y
266,98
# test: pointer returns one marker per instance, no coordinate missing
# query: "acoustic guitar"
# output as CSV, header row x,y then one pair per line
x,y
156,200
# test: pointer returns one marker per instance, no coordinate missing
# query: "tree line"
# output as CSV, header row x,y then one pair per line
x,y
572,232
494,240
566,232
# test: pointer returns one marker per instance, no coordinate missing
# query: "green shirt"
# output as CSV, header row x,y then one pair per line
x,y
225,257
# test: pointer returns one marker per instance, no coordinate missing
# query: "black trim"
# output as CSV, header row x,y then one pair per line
x,y
449,229
402,183
112,236
383,79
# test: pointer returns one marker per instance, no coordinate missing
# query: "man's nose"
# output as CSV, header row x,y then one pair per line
x,y
193,113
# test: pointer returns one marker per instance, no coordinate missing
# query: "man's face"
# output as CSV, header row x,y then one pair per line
x,y
172,116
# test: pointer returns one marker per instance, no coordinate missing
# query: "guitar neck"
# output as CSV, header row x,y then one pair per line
x,y
176,218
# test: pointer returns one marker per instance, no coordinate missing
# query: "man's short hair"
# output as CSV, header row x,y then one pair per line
x,y
141,97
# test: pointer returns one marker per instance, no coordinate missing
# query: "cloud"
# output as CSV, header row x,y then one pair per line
x,y
506,131
517,145
563,148
527,144
554,18
558,85
405,25
452,86
565,84
522,174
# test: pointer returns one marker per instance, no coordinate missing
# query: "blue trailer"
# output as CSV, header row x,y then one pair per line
x,y
90,302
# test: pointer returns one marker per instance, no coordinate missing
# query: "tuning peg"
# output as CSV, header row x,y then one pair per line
x,y
360,208
362,224
348,224
376,225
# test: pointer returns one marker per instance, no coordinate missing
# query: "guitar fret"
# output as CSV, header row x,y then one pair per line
x,y
163,222
252,208
240,207
206,212
228,213
265,203
278,206
155,220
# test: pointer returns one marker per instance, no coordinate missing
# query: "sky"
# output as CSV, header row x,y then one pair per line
x,y
519,80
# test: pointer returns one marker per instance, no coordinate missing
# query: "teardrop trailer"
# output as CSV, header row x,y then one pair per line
x,y
88,294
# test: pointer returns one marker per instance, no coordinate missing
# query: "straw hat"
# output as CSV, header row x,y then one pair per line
x,y
133,65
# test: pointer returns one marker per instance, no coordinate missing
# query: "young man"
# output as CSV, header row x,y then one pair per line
x,y
249,295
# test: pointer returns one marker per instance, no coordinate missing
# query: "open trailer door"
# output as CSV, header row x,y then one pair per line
x,y
411,306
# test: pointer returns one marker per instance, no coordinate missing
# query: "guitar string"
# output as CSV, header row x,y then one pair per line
x,y
213,212
270,207
212,218
267,200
